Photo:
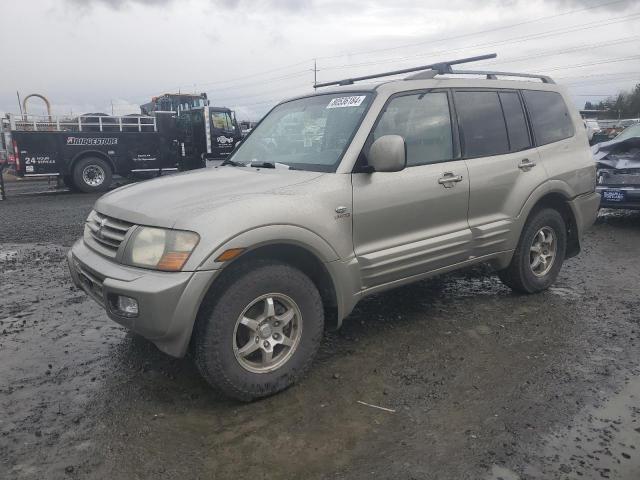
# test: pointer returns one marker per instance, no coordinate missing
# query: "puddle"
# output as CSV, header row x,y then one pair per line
x,y
6,255
602,442
501,473
564,292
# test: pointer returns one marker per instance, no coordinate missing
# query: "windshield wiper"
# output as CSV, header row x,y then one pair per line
x,y
233,163
261,164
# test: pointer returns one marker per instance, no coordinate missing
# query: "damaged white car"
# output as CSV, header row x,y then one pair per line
x,y
618,170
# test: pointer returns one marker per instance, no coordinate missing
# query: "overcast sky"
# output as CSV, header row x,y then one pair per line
x,y
86,55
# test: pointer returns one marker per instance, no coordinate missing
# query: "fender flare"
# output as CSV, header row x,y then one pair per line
x,y
341,273
552,186
271,235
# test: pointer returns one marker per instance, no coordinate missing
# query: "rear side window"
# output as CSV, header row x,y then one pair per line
x,y
550,118
483,128
516,122
424,121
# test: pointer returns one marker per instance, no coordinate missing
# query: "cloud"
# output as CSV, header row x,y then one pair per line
x,y
118,4
305,5
281,5
83,53
614,5
122,107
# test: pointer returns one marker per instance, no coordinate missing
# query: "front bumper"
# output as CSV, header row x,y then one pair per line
x,y
168,302
627,197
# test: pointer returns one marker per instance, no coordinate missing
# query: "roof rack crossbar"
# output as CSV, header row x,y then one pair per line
x,y
441,68
492,75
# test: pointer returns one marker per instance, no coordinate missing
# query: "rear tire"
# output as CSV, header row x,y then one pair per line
x,y
92,174
236,330
539,255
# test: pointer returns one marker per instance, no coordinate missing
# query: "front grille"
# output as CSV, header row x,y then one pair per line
x,y
105,234
621,179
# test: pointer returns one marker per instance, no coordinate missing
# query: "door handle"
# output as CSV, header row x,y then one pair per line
x,y
448,179
525,164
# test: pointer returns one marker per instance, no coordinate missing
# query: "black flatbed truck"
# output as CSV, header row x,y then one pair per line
x,y
85,152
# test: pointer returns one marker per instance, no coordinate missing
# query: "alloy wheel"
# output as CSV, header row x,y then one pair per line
x,y
267,333
543,250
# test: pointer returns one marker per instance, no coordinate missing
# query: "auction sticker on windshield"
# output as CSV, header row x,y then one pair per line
x,y
341,102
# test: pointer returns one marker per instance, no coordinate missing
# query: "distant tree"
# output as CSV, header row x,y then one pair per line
x,y
622,105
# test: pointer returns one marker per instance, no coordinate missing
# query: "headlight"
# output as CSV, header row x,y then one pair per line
x,y
159,248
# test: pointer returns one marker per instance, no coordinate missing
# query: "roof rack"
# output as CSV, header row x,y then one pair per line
x,y
440,68
491,75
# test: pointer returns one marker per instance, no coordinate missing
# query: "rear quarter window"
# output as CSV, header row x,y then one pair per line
x,y
549,116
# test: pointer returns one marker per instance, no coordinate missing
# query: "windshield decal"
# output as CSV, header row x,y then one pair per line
x,y
341,102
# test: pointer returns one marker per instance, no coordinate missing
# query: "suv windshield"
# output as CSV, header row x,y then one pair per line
x,y
311,133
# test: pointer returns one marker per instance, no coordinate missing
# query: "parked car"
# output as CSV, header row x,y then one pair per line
x,y
618,169
592,127
247,263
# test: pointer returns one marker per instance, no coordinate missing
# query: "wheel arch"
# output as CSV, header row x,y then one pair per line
x,y
559,199
336,277
301,257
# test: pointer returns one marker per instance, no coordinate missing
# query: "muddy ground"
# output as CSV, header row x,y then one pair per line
x,y
483,383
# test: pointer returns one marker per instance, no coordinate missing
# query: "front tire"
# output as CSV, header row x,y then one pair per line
x,y
259,331
539,255
92,174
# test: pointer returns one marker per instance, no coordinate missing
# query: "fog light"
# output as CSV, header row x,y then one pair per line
x,y
123,306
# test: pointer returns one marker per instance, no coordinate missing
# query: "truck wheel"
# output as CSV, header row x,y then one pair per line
x,y
539,255
92,174
260,331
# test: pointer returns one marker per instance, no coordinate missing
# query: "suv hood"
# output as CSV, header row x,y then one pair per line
x,y
163,201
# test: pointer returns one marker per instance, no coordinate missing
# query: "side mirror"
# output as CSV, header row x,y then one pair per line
x,y
388,154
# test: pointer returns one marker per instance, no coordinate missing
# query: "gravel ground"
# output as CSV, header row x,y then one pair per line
x,y
483,383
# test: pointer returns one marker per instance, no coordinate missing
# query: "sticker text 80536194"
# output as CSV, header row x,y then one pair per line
x,y
342,102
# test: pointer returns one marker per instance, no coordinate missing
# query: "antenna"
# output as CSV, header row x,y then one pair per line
x,y
441,68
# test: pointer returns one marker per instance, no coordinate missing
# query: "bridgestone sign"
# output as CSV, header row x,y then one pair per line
x,y
91,141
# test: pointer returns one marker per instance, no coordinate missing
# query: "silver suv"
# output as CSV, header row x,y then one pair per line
x,y
333,197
